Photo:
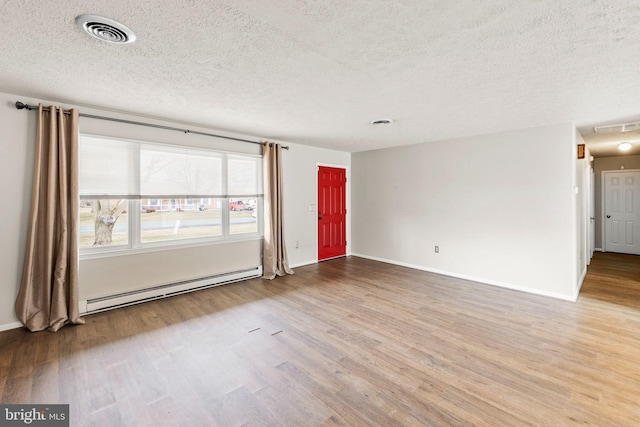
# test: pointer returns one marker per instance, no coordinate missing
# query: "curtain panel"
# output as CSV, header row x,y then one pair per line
x,y
275,261
48,295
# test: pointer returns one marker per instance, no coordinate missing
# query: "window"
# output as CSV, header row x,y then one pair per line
x,y
139,194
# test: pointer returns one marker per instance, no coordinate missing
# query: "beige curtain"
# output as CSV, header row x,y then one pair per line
x,y
275,261
48,296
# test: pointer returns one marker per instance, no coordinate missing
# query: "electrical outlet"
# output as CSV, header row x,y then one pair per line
x,y
437,249
297,244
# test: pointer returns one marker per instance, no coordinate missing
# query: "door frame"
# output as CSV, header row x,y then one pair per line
x,y
592,212
602,201
347,197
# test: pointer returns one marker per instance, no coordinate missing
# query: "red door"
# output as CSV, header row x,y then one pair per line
x,y
332,213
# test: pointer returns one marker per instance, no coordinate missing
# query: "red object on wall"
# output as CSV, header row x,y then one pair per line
x,y
332,213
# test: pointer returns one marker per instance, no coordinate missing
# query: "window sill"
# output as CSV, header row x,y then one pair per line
x,y
160,247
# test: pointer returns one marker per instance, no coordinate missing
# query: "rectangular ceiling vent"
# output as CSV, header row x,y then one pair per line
x,y
626,127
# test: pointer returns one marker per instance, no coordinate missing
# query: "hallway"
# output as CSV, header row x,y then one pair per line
x,y
613,277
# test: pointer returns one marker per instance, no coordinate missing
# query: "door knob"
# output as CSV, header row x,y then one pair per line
x,y
608,216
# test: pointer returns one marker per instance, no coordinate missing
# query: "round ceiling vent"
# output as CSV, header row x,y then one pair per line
x,y
106,29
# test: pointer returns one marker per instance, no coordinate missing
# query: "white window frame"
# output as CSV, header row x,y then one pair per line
x,y
135,245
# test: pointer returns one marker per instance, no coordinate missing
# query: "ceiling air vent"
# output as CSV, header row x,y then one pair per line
x,y
626,127
105,29
381,121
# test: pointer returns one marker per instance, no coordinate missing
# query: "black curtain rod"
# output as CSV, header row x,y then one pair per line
x,y
23,106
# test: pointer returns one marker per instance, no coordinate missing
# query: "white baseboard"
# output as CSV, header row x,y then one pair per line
x,y
579,285
9,326
315,261
598,250
303,263
513,287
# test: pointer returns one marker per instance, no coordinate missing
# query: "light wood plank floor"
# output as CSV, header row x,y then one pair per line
x,y
348,342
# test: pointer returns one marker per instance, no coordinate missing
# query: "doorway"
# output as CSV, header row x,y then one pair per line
x,y
332,212
622,211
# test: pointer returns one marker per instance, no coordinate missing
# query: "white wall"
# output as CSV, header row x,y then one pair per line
x,y
300,192
100,277
114,274
500,207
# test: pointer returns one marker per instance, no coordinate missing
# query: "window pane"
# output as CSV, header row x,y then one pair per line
x,y
179,171
244,176
176,219
107,167
104,222
243,216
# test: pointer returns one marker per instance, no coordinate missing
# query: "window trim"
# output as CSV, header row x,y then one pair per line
x,y
115,251
136,246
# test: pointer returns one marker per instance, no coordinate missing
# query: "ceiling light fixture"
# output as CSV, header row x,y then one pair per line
x,y
625,146
105,29
381,121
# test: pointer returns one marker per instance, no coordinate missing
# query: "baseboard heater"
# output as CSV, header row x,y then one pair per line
x,y
110,302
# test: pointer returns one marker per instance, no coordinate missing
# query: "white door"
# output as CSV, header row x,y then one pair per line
x,y
622,212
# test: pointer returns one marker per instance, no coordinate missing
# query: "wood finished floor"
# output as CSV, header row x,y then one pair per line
x,y
348,342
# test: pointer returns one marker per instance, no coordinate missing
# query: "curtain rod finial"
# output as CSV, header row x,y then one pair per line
x,y
23,106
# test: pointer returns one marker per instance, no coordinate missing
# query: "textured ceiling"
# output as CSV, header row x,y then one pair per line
x,y
316,72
